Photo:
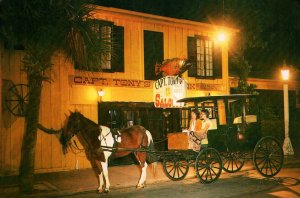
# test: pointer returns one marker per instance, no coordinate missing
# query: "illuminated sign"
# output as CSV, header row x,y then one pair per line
x,y
168,90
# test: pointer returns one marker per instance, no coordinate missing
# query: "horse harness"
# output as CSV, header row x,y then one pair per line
x,y
117,138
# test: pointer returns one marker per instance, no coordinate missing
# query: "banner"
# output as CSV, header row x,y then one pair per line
x,y
168,90
134,83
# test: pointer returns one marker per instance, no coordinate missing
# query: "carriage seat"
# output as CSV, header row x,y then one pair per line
x,y
248,119
214,125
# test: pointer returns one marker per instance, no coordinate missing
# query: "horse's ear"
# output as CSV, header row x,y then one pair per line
x,y
70,111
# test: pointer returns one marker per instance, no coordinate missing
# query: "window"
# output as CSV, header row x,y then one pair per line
x,y
185,118
105,32
205,57
112,60
153,53
123,114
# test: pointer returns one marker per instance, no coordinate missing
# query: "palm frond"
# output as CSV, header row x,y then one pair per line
x,y
44,27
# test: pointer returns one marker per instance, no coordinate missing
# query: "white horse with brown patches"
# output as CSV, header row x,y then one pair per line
x,y
99,143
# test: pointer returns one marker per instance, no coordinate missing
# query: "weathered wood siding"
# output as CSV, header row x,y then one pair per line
x,y
59,96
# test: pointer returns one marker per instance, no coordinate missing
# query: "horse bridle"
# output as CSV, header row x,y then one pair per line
x,y
72,147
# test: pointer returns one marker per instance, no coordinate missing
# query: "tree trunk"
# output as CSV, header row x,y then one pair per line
x,y
1,62
26,170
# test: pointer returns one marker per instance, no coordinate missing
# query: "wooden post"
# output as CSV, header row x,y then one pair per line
x,y
1,83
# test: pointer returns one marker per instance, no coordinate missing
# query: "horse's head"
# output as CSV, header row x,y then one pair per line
x,y
73,126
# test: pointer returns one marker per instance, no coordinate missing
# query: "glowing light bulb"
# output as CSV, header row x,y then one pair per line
x,y
285,73
100,93
221,37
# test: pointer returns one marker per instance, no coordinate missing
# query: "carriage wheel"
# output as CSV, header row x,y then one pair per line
x,y
233,161
17,99
268,156
176,169
208,165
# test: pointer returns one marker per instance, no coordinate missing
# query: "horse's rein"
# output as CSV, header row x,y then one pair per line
x,y
73,148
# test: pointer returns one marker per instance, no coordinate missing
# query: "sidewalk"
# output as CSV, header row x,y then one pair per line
x,y
73,182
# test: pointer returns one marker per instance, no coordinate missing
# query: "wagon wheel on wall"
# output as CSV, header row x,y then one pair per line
x,y
17,99
232,161
176,168
208,165
268,157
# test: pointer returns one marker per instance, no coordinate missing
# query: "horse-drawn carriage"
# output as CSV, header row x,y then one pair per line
x,y
234,134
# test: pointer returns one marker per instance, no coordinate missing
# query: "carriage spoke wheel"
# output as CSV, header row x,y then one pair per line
x,y
268,157
176,169
208,165
17,99
233,161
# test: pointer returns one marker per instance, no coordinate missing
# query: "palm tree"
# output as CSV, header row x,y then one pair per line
x,y
44,28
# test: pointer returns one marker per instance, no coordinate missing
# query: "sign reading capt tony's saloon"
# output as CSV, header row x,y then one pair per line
x,y
168,90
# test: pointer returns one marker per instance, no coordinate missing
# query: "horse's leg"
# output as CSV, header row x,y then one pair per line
x,y
100,175
101,182
105,171
141,156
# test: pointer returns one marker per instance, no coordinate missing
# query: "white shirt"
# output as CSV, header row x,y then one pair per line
x,y
205,124
193,125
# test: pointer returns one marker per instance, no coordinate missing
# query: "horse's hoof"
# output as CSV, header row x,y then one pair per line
x,y
103,190
140,186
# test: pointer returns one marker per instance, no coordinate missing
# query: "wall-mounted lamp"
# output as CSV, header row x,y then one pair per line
x,y
100,93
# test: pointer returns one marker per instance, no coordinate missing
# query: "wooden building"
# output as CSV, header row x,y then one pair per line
x,y
126,81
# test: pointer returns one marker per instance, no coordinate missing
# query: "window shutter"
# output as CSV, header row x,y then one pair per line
x,y
217,61
192,56
153,52
117,61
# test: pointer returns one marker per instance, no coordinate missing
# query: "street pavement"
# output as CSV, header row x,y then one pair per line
x,y
245,184
79,181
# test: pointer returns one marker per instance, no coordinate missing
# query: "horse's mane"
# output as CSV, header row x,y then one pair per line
x,y
88,121
89,126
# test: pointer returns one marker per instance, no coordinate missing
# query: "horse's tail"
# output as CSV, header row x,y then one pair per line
x,y
151,156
